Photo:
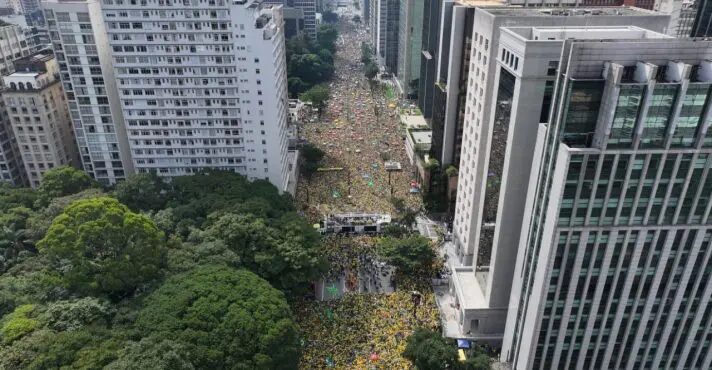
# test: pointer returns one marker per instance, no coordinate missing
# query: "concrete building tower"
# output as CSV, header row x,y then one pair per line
x,y
409,44
80,44
39,117
613,264
13,45
491,204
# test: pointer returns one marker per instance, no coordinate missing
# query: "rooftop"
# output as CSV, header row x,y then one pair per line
x,y
422,137
571,12
584,33
474,3
413,121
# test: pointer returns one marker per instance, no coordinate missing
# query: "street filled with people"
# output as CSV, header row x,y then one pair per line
x,y
358,132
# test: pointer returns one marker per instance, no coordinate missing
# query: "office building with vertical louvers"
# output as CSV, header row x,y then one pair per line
x,y
613,265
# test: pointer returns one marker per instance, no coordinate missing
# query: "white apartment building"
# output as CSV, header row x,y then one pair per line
x,y
39,117
202,84
82,51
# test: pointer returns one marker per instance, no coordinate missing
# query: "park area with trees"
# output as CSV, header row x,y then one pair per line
x,y
209,271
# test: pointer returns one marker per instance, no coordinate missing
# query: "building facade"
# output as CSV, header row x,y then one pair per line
x,y
384,33
39,117
702,27
81,47
613,267
481,168
202,85
13,46
409,44
308,11
429,47
508,96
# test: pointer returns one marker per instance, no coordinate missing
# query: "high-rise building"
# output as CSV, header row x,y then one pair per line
x,y
428,50
365,11
308,8
202,85
384,33
702,27
685,19
39,117
483,141
409,53
507,97
13,46
613,264
79,39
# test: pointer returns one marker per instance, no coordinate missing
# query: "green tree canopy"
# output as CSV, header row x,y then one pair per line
x,y
100,247
428,350
366,53
296,86
152,353
11,197
326,37
311,157
370,70
408,254
62,181
309,68
286,252
317,95
142,192
226,318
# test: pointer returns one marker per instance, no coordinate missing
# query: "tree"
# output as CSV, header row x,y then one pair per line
x,y
317,95
142,192
285,253
86,348
226,318
153,353
309,68
326,37
370,70
100,247
296,86
411,254
14,245
428,350
76,313
311,157
62,181
11,197
39,223
366,53
451,171
432,164
19,323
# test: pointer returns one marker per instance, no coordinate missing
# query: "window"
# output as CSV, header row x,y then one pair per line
x,y
629,101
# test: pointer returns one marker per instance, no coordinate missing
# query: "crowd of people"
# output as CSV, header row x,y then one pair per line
x,y
362,331
358,131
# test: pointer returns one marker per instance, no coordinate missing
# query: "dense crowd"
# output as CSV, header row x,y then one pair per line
x,y
358,131
362,330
